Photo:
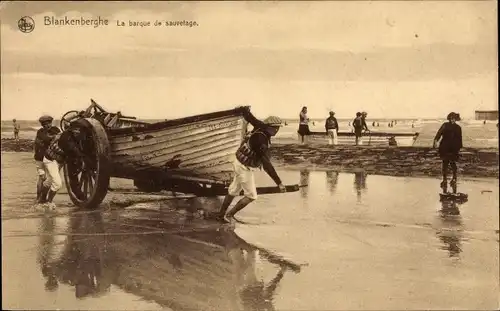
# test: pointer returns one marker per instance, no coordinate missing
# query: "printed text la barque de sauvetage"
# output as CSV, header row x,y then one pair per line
x,y
99,21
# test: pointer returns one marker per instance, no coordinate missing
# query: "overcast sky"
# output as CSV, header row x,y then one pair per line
x,y
392,59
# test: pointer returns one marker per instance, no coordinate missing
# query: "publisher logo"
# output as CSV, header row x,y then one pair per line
x,y
26,24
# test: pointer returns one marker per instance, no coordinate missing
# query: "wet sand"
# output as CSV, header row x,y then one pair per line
x,y
348,241
392,161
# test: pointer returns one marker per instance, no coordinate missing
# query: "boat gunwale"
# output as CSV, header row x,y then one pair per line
x,y
162,125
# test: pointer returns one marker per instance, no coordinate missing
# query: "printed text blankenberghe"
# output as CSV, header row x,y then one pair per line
x,y
66,21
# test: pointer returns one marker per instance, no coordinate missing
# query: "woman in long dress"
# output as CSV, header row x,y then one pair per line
x,y
303,125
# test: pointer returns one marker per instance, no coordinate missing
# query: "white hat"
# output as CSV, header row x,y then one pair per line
x,y
273,121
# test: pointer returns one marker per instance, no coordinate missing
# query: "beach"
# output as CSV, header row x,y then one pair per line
x,y
368,225
368,248
382,160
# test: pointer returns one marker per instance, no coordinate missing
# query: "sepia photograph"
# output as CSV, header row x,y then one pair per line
x,y
250,155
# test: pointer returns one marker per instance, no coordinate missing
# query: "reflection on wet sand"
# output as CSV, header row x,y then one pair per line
x,y
206,268
360,183
46,252
82,263
450,233
304,180
332,179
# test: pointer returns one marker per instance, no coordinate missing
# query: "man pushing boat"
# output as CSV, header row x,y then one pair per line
x,y
62,148
252,155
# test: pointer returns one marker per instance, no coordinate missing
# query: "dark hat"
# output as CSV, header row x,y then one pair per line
x,y
453,115
45,118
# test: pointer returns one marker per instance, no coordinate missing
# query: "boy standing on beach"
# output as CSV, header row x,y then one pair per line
x,y
252,155
17,127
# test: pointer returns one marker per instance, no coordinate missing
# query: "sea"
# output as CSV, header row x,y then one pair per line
x,y
475,133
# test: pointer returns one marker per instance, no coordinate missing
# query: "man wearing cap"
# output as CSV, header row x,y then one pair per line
x,y
61,149
332,128
42,141
252,155
450,134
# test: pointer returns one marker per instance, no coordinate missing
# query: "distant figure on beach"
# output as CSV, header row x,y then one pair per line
x,y
357,123
378,124
42,141
332,128
450,134
484,122
61,149
17,127
303,125
252,155
393,141
363,117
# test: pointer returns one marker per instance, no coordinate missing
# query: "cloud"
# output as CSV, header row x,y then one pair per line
x,y
434,61
27,96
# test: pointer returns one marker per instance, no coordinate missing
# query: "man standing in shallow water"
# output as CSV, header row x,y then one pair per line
x,y
450,134
252,155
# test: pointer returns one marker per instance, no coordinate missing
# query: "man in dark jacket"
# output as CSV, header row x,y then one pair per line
x,y
62,148
450,134
332,128
42,141
359,124
252,155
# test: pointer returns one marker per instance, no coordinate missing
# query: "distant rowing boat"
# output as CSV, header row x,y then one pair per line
x,y
371,138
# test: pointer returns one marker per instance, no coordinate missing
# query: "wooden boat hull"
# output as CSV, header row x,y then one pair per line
x,y
200,147
372,139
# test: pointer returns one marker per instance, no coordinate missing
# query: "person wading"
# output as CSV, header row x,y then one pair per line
x,y
252,155
62,148
332,129
42,141
450,134
303,130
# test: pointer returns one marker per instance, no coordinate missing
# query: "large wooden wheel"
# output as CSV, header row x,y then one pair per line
x,y
87,180
67,118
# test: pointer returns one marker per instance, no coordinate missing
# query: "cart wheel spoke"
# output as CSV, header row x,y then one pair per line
x,y
90,182
83,184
